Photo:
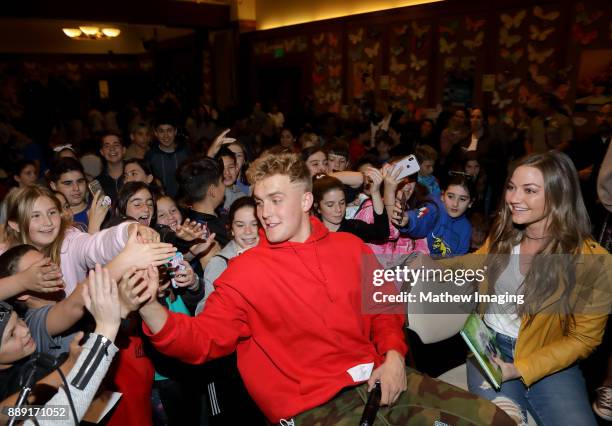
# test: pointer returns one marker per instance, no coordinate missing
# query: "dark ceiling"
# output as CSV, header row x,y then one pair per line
x,y
152,12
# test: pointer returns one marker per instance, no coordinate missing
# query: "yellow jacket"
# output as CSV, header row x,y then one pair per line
x,y
542,348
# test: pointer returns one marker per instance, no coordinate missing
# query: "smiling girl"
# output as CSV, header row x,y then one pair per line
x,y
540,246
34,217
330,206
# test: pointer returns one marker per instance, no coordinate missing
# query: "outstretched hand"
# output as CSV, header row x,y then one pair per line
x,y
101,298
43,276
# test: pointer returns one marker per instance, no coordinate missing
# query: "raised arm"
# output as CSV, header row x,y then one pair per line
x,y
212,334
43,276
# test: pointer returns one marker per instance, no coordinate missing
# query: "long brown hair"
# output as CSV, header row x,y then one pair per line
x,y
19,210
568,227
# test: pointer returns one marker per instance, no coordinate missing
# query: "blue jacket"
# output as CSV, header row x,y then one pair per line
x,y
446,236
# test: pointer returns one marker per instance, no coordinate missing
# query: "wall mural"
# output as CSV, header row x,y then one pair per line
x,y
498,60
409,46
327,76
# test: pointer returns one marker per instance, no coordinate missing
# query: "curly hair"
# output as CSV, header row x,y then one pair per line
x,y
286,164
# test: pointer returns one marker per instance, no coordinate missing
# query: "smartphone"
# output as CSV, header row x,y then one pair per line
x,y
95,187
408,166
175,265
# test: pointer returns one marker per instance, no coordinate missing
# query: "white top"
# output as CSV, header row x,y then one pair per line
x,y
503,318
473,143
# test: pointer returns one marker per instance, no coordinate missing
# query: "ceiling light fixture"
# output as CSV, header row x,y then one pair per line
x,y
87,32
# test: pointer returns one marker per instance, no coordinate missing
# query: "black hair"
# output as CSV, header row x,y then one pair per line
x,y
103,135
10,259
238,204
63,165
119,209
224,151
321,185
196,177
306,153
144,165
463,181
22,165
337,147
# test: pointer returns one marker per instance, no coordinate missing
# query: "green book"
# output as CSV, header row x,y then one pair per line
x,y
481,342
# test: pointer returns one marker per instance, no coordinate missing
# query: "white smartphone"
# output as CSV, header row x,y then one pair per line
x,y
408,166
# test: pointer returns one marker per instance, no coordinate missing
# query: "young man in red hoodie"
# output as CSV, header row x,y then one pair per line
x,y
292,309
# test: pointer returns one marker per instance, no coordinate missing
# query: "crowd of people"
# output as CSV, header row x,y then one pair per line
x,y
216,262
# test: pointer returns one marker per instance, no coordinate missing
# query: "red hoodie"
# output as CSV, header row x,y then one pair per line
x,y
293,312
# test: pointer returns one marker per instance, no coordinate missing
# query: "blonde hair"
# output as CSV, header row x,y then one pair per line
x,y
19,210
285,164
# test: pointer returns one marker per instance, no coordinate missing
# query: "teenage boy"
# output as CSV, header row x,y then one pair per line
x,y
140,137
306,351
113,151
337,157
201,181
66,175
230,175
166,156
427,156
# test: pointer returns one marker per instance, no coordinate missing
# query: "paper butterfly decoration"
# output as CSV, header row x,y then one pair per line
x,y
507,40
317,79
450,28
446,47
476,43
397,50
356,37
334,71
474,25
509,85
538,56
415,63
289,44
417,94
333,39
539,35
583,38
400,30
513,21
419,31
372,51
514,57
582,17
550,16
319,39
499,102
524,94
542,80
395,67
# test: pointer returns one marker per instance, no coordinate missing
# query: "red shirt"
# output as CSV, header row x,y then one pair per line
x,y
293,312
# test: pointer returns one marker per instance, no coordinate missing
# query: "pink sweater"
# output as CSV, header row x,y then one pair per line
x,y
397,246
81,251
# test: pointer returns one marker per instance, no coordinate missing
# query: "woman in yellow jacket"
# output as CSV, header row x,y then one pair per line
x,y
540,247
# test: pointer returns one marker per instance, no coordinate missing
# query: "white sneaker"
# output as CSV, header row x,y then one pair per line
x,y
603,404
